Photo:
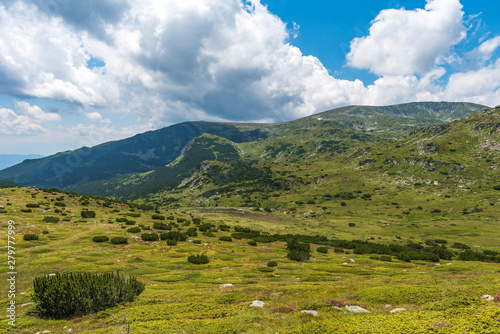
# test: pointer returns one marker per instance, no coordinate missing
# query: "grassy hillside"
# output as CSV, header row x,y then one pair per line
x,y
181,297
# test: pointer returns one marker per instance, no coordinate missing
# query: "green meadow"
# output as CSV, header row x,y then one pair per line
x,y
181,297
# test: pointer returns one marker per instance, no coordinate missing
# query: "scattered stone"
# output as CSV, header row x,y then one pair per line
x,y
487,297
52,274
449,264
23,305
257,303
356,309
387,305
337,308
399,309
352,260
314,313
344,263
227,285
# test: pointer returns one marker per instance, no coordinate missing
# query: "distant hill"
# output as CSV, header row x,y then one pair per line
x,y
8,160
395,121
322,136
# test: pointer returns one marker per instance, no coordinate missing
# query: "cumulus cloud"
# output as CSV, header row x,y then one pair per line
x,y
27,120
407,42
171,60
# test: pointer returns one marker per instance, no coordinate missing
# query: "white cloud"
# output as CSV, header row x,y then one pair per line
x,y
171,60
27,120
407,42
94,116
35,112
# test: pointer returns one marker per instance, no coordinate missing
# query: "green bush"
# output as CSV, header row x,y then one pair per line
x,y
191,232
32,205
171,242
496,187
298,251
252,243
100,238
87,214
28,237
130,222
225,238
51,219
352,224
45,232
118,241
76,294
135,229
150,237
322,250
162,226
272,264
159,217
26,210
173,235
197,242
198,259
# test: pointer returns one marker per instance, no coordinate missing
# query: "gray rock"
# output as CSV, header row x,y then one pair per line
x,y
487,297
356,309
227,285
312,312
399,309
257,303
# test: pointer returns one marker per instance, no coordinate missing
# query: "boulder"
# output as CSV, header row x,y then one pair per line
x,y
227,285
257,303
356,309
312,312
487,297
399,309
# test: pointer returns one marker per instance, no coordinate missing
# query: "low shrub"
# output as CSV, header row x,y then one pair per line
x,y
135,229
70,295
198,259
150,237
51,219
100,238
252,243
28,237
196,241
118,241
322,250
87,214
272,264
225,238
171,242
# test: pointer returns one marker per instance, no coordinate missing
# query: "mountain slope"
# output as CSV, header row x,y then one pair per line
x,y
8,160
137,154
199,149
394,121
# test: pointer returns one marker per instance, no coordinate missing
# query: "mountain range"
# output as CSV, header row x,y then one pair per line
x,y
173,158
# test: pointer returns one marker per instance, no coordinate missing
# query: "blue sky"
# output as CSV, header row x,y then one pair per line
x,y
79,73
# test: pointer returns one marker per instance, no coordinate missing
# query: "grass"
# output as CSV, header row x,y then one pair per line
x,y
185,298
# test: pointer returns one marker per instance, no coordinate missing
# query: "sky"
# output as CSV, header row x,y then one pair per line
x,y
80,73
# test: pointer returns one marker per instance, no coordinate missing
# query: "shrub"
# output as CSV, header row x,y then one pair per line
x,y
225,238
171,242
272,264
45,232
386,258
135,229
339,250
496,187
191,232
118,241
252,243
298,251
32,205
51,219
459,245
121,220
150,237
87,214
266,269
198,259
352,224
173,235
162,226
159,217
196,241
343,203
441,241
25,210
322,250
130,222
28,237
100,238
76,294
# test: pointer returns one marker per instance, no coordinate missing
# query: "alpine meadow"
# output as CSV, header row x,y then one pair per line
x,y
255,166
